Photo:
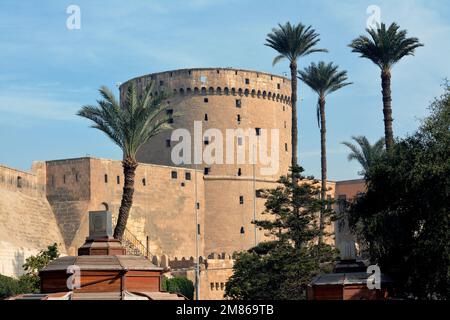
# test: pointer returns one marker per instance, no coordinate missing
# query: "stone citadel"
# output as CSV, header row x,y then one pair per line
x,y
172,203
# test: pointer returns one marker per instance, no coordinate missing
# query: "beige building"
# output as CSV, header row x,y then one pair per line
x,y
225,99
172,201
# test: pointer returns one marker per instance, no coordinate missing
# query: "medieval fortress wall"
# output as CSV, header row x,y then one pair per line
x,y
226,99
171,201
51,204
163,206
27,222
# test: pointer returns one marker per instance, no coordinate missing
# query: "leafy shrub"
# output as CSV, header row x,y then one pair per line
x,y
8,287
29,282
179,285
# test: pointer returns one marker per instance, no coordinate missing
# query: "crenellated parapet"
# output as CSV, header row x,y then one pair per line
x,y
217,81
188,263
22,181
220,256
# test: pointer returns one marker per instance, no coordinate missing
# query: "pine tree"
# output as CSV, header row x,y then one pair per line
x,y
283,267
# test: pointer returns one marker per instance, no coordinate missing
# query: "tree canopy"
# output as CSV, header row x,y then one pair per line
x,y
385,46
132,123
293,41
404,215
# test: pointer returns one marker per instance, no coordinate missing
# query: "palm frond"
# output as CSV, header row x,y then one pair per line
x,y
278,59
365,153
293,41
132,123
385,46
323,78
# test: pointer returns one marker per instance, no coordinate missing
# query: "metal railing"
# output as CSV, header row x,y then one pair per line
x,y
134,246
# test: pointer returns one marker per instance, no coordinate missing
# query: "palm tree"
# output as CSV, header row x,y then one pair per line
x,y
323,79
129,125
385,47
365,153
293,42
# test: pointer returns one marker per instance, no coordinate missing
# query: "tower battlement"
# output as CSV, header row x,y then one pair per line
x,y
216,81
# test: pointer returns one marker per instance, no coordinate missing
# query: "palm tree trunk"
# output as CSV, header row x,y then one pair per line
x,y
323,159
129,168
294,131
387,108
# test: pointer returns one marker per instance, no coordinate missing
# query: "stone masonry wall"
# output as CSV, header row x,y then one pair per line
x,y
27,223
225,99
163,208
345,240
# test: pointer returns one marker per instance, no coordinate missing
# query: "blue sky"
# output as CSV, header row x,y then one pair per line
x,y
47,71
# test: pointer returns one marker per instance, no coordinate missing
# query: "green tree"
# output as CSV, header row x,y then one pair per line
x,y
293,42
30,281
323,79
129,125
180,285
385,47
283,267
404,216
365,153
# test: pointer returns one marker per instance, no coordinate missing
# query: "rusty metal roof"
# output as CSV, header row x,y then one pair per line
x,y
101,262
345,278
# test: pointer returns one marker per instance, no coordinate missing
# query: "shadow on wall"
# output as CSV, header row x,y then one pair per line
x,y
18,262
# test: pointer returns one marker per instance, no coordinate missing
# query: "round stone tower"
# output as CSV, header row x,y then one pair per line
x,y
237,130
